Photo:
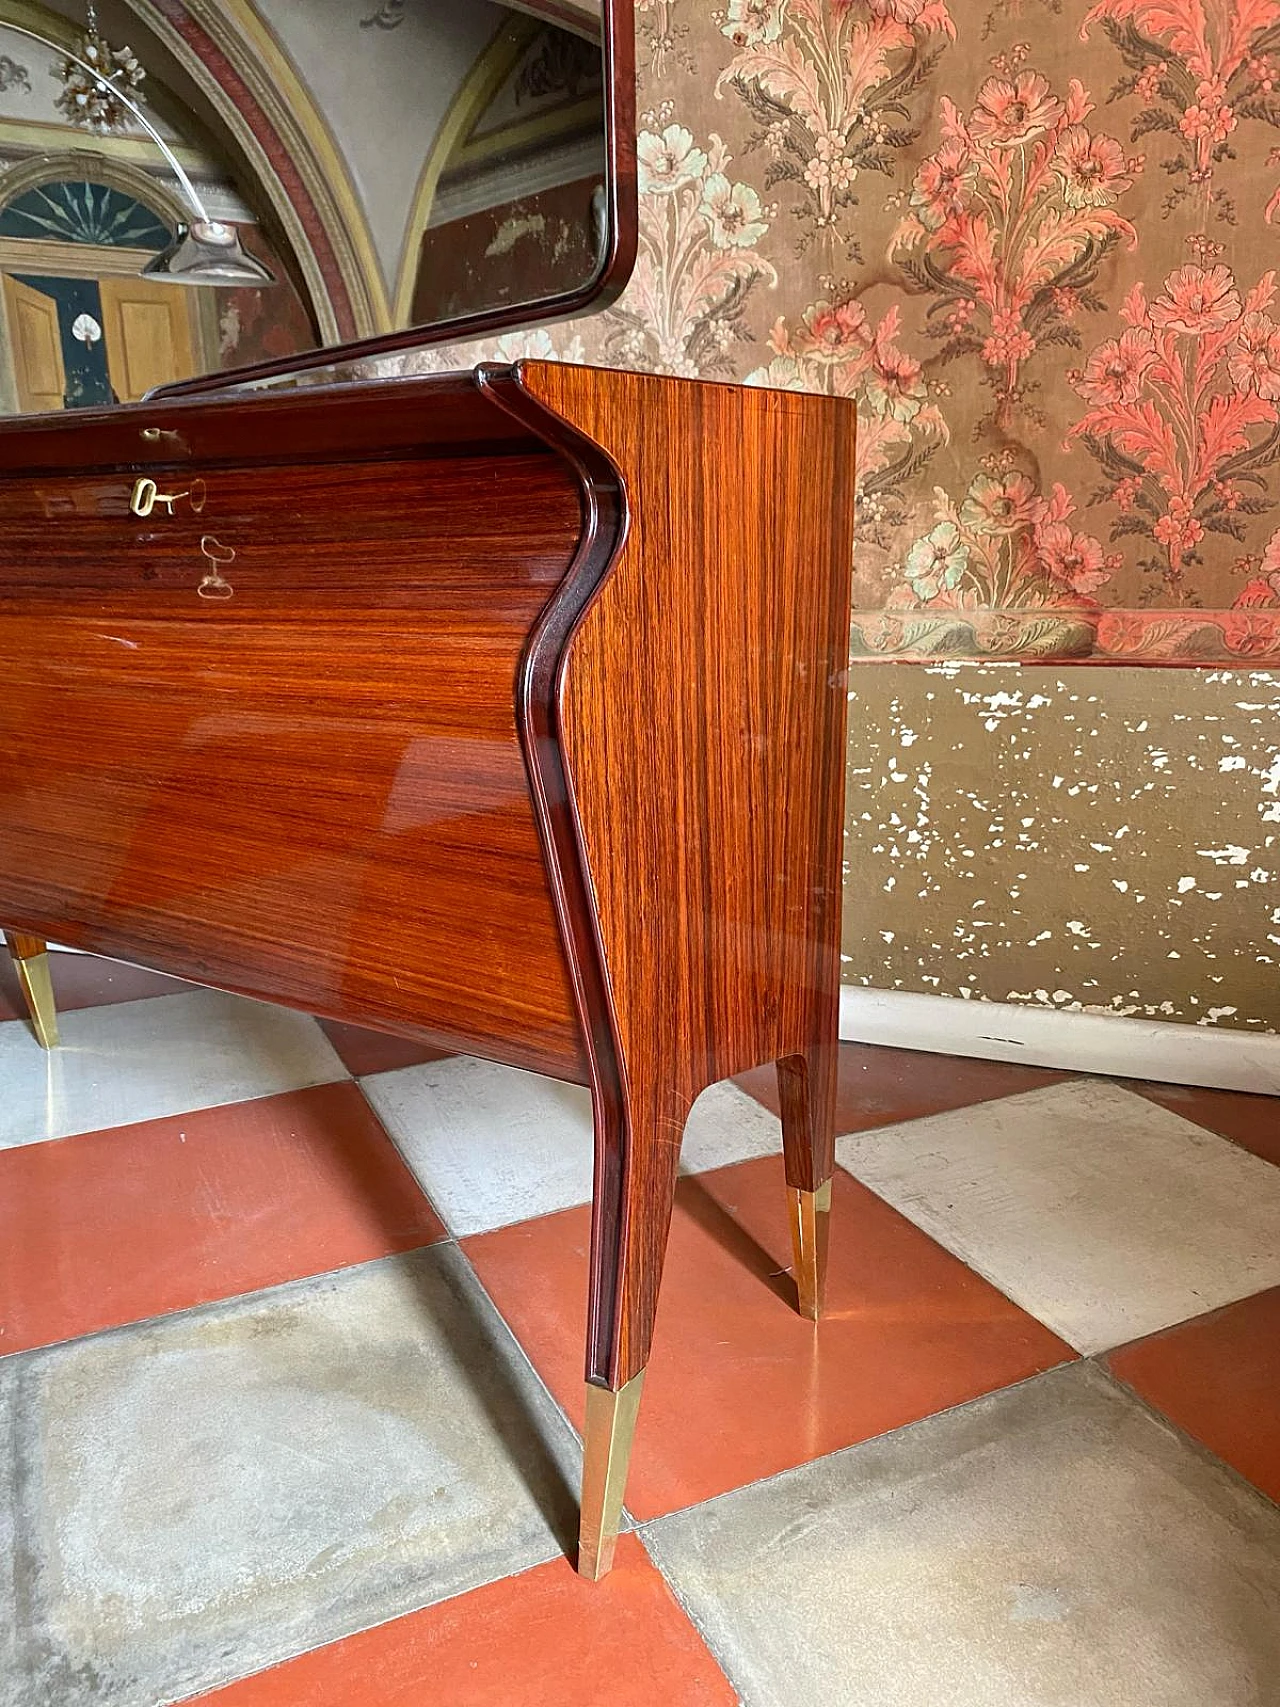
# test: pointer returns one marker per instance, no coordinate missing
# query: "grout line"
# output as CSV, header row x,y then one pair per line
x,y
1193,1120
707,1641
673,1589
405,1613
966,1262
452,1237
515,1339
1204,1453
1069,1363
176,1113
1185,1321
254,1292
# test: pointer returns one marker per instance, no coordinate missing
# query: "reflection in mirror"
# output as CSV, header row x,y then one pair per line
x,y
257,179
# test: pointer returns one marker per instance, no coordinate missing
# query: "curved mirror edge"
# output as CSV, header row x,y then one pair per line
x,y
111,210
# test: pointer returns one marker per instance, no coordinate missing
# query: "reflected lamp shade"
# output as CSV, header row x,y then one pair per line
x,y
208,252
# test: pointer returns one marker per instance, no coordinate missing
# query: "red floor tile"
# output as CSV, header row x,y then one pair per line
x,y
1218,1377
740,1386
544,1638
879,1086
85,981
1253,1122
362,1051
115,1226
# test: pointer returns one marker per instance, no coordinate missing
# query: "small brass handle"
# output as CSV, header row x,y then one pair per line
x,y
146,495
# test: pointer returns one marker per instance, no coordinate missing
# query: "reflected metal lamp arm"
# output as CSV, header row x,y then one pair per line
x,y
208,251
188,188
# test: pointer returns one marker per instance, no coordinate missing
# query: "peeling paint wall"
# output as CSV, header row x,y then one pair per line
x,y
1099,841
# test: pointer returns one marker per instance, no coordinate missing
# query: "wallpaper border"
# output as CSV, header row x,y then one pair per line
x,y
1191,639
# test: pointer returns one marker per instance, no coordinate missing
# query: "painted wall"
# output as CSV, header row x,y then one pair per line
x,y
1097,840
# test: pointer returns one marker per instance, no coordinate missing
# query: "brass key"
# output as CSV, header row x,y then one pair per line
x,y
146,495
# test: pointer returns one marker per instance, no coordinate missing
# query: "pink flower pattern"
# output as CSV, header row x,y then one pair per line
x,y
1190,416
1044,279
1010,220
1198,69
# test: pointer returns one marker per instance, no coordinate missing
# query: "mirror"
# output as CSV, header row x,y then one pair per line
x,y
204,189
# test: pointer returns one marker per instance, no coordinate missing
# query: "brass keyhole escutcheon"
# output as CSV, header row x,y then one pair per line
x,y
214,586
146,495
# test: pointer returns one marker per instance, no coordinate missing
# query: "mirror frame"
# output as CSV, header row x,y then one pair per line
x,y
618,48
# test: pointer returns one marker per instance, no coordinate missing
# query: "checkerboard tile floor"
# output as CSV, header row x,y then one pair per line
x,y
290,1335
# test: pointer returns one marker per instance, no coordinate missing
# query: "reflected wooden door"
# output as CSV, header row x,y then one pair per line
x,y
147,326
38,372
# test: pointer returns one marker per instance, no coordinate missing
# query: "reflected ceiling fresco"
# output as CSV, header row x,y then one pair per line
x,y
328,169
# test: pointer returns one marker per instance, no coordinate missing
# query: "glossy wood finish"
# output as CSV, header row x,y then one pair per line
x,y
312,790
519,728
702,714
23,947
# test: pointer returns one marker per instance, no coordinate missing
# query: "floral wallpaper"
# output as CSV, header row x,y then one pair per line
x,y
1037,241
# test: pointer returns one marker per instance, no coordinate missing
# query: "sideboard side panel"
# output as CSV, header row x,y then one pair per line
x,y
702,715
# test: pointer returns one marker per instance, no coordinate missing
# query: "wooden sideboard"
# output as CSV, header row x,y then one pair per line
x,y
501,709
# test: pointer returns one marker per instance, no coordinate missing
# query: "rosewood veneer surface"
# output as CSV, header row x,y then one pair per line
x,y
311,790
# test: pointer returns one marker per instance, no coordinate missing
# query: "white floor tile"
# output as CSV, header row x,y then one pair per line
x,y
491,1145
1053,1545
206,1495
1103,1215
134,1061
726,1125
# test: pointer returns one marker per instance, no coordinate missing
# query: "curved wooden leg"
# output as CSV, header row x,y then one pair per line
x,y
31,958
637,1152
807,1093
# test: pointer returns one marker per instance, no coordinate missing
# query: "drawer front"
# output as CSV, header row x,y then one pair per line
x,y
272,744
341,535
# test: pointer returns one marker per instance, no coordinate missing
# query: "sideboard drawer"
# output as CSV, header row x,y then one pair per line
x,y
347,535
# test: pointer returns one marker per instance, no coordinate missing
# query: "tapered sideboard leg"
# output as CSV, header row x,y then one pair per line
x,y
807,1092
31,958
635,1190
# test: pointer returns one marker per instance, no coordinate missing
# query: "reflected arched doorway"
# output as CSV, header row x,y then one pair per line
x,y
83,329
86,206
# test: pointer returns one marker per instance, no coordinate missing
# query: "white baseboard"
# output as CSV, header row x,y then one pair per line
x,y
1080,1043
1041,1037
